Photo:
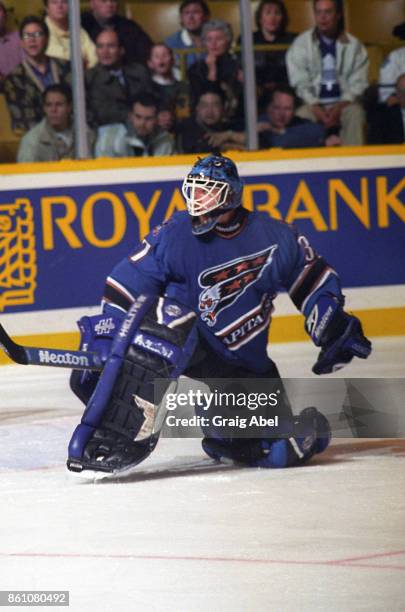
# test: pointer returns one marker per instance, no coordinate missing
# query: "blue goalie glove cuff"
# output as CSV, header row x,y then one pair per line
x,y
325,320
339,334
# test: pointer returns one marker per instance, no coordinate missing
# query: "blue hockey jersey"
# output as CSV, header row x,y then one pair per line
x,y
229,278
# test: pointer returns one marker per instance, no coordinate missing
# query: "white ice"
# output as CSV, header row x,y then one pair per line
x,y
184,534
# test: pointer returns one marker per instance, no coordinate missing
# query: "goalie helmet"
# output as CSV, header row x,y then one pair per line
x,y
212,188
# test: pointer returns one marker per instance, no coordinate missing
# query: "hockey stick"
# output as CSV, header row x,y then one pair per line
x,y
30,355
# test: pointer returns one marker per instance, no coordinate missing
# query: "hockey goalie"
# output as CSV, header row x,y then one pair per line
x,y
195,298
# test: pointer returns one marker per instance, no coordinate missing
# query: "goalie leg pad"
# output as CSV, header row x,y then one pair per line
x,y
124,436
117,428
311,434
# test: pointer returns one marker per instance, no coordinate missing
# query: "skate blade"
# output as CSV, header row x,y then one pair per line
x,y
88,475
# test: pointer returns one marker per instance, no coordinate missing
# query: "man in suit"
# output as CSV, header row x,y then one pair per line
x,y
111,85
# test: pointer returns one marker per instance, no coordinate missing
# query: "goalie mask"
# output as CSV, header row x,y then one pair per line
x,y
212,188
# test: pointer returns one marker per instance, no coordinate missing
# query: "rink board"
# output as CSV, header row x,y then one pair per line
x,y
63,226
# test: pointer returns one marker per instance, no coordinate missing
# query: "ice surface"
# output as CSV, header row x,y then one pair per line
x,y
183,534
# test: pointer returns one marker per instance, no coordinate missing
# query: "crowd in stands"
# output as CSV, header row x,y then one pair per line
x,y
143,100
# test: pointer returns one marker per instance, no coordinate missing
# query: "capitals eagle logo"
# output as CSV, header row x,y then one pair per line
x,y
224,284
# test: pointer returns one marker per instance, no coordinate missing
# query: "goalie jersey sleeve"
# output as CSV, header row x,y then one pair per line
x,y
311,277
229,282
146,270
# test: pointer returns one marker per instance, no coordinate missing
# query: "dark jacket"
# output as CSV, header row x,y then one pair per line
x,y
107,100
190,136
136,42
386,125
228,68
299,134
270,66
23,93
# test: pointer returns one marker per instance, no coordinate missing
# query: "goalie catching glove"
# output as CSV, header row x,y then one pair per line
x,y
339,335
120,426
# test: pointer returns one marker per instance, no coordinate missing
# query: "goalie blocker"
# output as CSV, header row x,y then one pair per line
x,y
120,426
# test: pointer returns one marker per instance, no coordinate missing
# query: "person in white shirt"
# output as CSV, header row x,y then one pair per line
x,y
390,71
387,121
328,69
52,139
140,136
57,21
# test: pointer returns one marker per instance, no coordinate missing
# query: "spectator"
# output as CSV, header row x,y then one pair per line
x,y
111,84
219,67
139,137
25,84
387,124
57,20
193,15
172,93
161,66
208,130
53,138
328,69
392,68
272,20
167,119
10,48
104,13
282,128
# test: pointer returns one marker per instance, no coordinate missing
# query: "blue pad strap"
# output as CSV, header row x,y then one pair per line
x,y
96,334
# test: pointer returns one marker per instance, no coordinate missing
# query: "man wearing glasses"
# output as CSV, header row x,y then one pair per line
x,y
25,85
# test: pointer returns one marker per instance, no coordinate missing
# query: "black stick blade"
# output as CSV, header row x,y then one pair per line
x,y
16,352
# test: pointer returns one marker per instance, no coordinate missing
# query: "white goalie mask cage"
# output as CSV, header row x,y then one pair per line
x,y
203,194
